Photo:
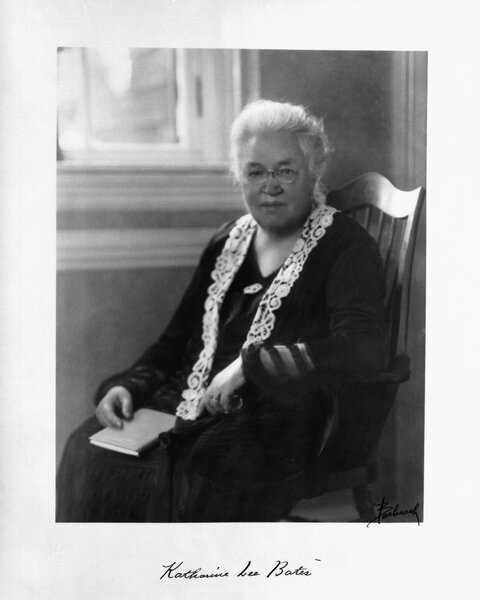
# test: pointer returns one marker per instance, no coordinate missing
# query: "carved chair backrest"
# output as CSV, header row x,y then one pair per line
x,y
391,217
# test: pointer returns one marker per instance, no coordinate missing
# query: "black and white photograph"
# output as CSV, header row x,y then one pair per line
x,y
238,299
238,231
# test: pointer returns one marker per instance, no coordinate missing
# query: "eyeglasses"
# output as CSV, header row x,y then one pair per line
x,y
284,175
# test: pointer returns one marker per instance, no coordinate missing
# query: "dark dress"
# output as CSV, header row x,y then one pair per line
x,y
247,465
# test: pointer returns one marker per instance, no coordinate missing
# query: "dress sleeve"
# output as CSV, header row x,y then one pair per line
x,y
167,354
355,346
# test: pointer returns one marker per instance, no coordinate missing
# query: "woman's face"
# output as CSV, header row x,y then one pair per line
x,y
278,208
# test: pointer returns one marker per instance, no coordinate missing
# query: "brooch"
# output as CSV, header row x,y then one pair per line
x,y
252,289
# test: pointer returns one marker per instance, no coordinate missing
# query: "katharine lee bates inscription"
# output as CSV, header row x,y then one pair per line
x,y
175,570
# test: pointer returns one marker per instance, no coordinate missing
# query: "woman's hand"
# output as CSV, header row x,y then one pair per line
x,y
219,396
114,406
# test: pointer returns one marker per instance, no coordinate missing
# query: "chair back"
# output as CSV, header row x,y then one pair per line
x,y
391,217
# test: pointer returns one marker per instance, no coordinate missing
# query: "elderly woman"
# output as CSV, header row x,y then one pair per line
x,y
284,310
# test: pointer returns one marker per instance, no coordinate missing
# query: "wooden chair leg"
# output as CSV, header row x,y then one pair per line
x,y
363,503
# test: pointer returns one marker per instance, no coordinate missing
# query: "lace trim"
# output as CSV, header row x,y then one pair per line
x,y
226,267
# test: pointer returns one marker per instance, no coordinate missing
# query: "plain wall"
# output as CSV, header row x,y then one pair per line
x,y
106,318
352,91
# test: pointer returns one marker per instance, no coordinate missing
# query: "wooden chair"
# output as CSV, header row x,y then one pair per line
x,y
391,216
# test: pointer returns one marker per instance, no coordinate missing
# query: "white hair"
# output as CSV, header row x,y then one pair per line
x,y
266,116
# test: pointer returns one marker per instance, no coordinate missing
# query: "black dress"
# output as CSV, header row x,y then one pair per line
x,y
247,465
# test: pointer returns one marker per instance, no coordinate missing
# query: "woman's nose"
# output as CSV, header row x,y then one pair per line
x,y
272,185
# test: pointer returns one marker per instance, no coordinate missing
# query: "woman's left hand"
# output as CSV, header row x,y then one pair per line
x,y
218,395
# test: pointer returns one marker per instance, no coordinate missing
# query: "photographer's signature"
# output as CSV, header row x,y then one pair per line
x,y
388,511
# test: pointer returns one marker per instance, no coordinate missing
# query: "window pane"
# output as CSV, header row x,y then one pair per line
x,y
117,95
132,95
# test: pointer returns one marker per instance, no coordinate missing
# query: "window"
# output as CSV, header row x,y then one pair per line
x,y
146,129
144,105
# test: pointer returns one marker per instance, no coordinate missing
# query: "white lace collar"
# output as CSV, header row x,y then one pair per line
x,y
226,266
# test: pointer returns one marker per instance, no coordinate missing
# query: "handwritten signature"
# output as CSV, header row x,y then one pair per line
x,y
388,511
281,567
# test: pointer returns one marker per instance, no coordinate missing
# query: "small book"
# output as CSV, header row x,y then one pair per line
x,y
136,435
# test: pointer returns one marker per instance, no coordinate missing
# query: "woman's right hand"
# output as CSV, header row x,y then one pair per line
x,y
114,406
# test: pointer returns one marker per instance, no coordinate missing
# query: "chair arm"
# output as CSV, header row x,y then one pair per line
x,y
398,372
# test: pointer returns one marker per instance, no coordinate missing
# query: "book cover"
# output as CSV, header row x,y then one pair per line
x,y
136,435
